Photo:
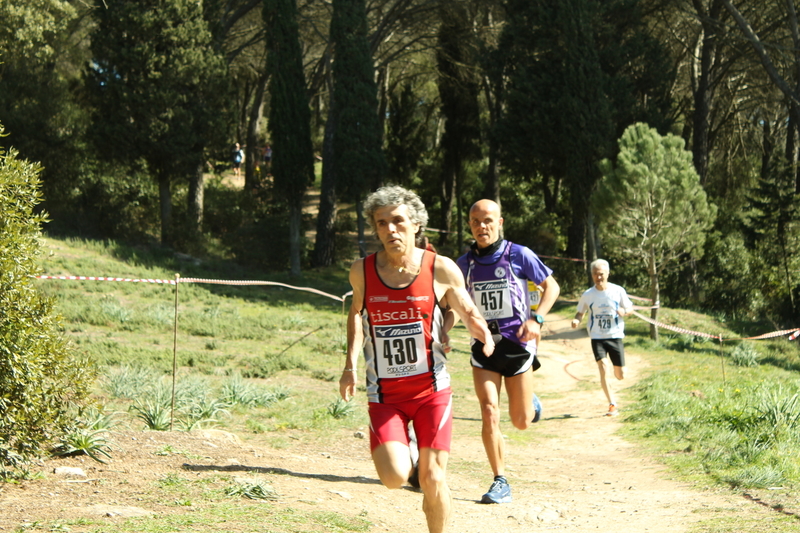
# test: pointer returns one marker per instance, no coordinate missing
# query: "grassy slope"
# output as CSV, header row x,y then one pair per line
x,y
708,418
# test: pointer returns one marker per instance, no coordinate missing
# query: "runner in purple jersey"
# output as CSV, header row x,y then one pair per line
x,y
497,273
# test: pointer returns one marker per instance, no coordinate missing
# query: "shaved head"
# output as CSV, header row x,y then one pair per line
x,y
485,222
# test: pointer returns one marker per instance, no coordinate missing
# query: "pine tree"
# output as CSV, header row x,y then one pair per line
x,y
359,162
458,90
289,120
651,206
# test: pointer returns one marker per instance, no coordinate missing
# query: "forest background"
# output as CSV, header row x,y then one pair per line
x,y
132,108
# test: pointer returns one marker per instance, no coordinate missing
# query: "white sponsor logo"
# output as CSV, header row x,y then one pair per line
x,y
500,272
389,316
373,299
417,298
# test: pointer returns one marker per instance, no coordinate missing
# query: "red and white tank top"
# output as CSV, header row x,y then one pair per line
x,y
403,332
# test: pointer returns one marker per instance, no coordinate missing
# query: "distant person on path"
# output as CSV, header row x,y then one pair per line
x,y
238,157
267,158
400,297
497,273
425,243
606,304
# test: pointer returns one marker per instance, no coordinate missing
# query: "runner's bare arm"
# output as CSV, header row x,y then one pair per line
x,y
449,280
355,335
450,320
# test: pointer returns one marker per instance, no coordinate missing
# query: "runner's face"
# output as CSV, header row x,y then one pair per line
x,y
395,229
485,222
600,277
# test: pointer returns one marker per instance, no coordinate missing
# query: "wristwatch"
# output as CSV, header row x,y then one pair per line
x,y
538,318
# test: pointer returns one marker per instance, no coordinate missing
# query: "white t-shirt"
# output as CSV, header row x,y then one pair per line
x,y
603,321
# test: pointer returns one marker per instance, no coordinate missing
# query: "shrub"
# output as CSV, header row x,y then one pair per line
x,y
41,380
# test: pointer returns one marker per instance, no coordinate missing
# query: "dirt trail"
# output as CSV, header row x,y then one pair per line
x,y
576,476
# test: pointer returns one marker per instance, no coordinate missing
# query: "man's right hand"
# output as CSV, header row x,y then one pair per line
x,y
347,385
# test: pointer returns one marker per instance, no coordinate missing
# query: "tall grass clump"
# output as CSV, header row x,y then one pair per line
x,y
742,435
745,354
238,391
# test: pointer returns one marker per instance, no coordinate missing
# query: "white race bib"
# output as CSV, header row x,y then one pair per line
x,y
400,350
493,298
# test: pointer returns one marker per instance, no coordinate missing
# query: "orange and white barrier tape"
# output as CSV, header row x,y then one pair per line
x,y
200,280
794,332
95,278
675,328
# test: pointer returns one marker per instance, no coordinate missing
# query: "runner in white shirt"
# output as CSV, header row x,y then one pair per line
x,y
606,304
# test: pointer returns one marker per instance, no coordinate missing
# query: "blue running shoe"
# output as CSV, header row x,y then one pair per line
x,y
537,406
499,492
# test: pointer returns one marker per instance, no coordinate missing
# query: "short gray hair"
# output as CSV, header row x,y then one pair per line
x,y
599,264
395,195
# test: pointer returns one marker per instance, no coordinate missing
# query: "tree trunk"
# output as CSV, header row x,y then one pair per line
x,y
195,199
791,143
459,213
295,225
703,87
493,95
448,197
767,145
324,246
253,147
165,205
654,294
361,223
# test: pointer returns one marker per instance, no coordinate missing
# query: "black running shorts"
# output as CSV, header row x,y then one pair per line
x,y
508,359
611,347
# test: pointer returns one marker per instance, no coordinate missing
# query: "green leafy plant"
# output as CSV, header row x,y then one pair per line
x,y
340,408
254,490
155,415
745,354
84,441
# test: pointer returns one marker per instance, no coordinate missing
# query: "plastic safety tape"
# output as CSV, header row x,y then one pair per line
x,y
794,332
200,280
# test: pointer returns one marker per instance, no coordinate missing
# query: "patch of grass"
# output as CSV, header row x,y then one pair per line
x,y
252,489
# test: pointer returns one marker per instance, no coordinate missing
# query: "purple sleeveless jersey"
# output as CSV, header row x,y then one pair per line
x,y
498,285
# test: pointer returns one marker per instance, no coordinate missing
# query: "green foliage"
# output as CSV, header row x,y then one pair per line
x,y
577,73
41,379
84,442
40,104
405,135
158,87
650,205
456,60
773,224
726,277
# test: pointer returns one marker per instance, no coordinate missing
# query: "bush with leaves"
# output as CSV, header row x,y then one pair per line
x,y
41,380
